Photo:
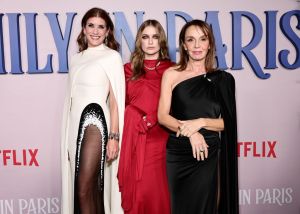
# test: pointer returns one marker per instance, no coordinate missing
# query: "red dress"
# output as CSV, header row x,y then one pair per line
x,y
142,167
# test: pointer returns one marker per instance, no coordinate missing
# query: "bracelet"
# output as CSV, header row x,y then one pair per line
x,y
114,136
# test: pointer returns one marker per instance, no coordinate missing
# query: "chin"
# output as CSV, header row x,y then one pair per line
x,y
197,58
95,44
151,53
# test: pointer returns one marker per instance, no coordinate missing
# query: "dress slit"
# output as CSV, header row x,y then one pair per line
x,y
92,115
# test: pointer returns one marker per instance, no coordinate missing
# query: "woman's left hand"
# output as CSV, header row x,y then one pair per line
x,y
112,149
189,127
199,146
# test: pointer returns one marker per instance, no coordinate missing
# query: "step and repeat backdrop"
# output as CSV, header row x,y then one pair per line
x,y
258,42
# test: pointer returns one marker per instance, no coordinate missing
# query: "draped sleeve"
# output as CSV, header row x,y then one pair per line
x,y
229,201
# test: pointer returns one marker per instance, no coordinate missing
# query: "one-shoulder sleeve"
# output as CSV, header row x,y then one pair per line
x,y
229,201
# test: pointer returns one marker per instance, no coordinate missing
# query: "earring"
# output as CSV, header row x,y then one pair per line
x,y
105,40
186,52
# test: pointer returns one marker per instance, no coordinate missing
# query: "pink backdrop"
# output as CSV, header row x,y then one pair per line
x,y
268,109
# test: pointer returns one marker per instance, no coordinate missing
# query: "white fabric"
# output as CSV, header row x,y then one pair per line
x,y
91,72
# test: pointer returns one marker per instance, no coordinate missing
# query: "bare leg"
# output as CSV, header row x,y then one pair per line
x,y
89,191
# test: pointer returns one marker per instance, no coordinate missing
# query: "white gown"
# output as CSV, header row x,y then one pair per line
x,y
91,72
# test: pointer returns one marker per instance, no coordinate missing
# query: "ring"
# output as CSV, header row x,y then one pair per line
x,y
201,150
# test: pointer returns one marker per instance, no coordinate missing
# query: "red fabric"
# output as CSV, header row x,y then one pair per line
x,y
142,166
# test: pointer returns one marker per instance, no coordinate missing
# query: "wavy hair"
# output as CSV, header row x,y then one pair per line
x,y
210,57
138,55
97,12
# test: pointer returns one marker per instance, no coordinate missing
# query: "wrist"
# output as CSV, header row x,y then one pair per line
x,y
114,136
202,123
193,135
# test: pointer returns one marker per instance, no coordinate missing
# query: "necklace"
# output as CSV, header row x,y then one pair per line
x,y
153,68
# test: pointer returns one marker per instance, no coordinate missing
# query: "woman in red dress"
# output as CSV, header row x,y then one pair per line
x,y
142,167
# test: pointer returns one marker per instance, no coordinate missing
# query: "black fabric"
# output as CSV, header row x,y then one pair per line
x,y
194,184
228,160
90,154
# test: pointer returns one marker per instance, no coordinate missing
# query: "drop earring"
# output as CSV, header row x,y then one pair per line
x,y
105,40
85,39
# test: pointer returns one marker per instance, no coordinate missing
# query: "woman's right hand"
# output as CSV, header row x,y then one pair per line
x,y
199,146
112,149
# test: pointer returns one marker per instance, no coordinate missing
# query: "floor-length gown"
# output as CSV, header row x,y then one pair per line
x,y
92,72
142,169
193,184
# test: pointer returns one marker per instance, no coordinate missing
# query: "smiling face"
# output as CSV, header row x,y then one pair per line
x,y
150,42
196,43
95,31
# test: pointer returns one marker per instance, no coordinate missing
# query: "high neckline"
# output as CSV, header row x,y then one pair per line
x,y
99,47
151,64
151,61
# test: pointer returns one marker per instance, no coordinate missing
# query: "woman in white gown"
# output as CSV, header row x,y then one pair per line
x,y
93,118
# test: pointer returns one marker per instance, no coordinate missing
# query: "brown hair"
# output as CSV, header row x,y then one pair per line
x,y
97,12
137,56
184,58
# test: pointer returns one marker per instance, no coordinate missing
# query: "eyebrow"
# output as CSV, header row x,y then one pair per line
x,y
96,24
194,37
145,34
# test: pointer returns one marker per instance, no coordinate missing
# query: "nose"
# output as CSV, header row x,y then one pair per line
x,y
95,30
150,41
197,43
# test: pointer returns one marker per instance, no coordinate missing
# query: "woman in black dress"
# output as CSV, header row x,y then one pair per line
x,y
197,103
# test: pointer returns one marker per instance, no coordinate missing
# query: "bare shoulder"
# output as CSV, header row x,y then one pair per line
x,y
171,73
170,76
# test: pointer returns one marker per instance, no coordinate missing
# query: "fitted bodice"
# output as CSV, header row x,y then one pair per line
x,y
194,98
144,92
88,78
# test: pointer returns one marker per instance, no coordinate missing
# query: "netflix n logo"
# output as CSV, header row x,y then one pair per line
x,y
22,157
264,149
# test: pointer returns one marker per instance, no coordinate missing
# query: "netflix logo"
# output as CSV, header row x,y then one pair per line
x,y
22,157
264,149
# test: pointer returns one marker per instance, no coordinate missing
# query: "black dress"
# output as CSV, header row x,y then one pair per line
x,y
195,185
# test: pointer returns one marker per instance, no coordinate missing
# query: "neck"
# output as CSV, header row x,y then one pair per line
x,y
196,66
151,56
